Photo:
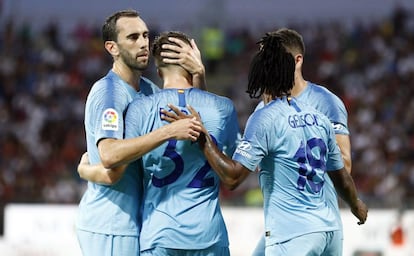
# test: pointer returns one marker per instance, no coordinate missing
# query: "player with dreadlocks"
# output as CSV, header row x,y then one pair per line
x,y
323,100
272,69
293,146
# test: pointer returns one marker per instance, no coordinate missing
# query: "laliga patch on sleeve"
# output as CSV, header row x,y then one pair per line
x,y
110,120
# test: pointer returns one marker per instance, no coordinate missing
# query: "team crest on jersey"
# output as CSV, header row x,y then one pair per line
x,y
110,120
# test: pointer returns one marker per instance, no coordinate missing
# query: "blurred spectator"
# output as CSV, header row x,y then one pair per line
x,y
212,47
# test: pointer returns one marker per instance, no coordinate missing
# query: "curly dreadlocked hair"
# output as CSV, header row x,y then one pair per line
x,y
272,68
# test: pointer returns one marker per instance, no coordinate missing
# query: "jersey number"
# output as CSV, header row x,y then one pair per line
x,y
199,180
308,163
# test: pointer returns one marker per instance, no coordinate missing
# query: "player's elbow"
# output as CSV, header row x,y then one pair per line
x,y
236,178
231,183
108,153
82,173
112,179
107,163
347,164
109,160
114,175
231,187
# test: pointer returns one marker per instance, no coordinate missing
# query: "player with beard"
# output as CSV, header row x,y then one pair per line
x,y
108,220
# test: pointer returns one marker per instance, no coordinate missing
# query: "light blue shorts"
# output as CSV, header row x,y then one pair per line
x,y
93,244
313,244
260,248
211,251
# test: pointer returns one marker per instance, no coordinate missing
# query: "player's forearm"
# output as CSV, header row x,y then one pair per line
x,y
117,152
224,166
98,174
345,186
346,189
199,79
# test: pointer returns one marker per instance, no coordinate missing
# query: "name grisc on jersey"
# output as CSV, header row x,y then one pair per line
x,y
295,121
306,119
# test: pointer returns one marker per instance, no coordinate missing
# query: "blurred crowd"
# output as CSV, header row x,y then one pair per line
x,y
45,77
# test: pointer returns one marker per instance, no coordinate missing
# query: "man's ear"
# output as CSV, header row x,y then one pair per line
x,y
298,60
112,48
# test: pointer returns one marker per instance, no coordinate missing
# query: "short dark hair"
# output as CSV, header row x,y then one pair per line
x,y
163,39
272,70
291,40
109,31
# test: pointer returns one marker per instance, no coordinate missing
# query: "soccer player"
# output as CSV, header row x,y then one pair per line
x,y
108,221
295,147
322,100
181,211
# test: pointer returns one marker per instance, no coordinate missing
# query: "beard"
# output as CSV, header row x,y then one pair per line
x,y
131,61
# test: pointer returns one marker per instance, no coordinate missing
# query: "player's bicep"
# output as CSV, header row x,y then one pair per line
x,y
108,110
344,144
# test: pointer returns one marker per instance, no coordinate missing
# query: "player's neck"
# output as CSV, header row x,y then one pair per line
x,y
176,82
300,85
126,74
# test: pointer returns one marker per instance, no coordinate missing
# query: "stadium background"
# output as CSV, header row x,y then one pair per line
x,y
51,53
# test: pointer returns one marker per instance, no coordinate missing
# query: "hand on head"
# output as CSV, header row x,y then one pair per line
x,y
187,56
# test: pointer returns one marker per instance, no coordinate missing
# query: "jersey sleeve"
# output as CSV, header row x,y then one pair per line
x,y
335,161
108,105
233,131
134,118
337,114
252,148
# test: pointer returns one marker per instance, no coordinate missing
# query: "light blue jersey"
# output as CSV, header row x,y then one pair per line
x,y
328,104
332,107
113,209
295,145
181,204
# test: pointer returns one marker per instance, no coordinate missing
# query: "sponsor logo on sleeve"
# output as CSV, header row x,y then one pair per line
x,y
242,149
338,127
110,120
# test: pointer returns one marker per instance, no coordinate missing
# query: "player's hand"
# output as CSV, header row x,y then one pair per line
x,y
360,210
195,114
189,57
204,134
185,129
177,114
